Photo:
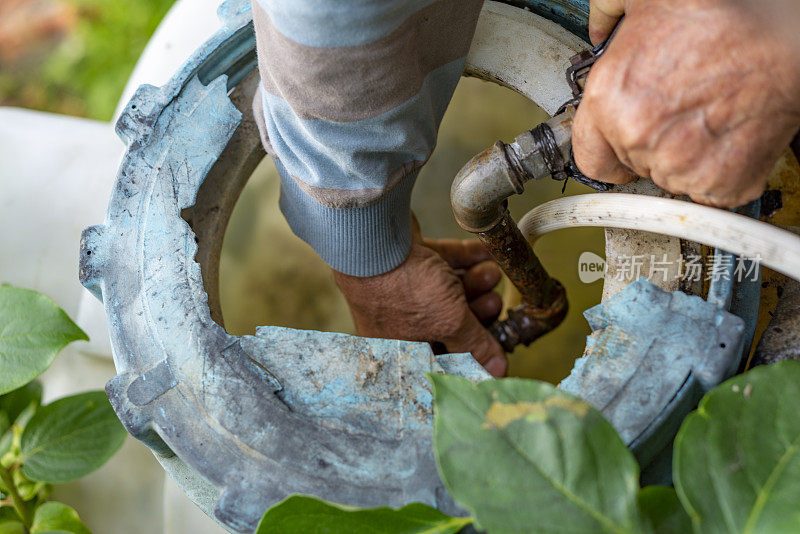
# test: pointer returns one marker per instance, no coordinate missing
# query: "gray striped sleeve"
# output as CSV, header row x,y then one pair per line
x,y
352,95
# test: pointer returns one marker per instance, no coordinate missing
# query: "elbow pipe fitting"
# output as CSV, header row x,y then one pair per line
x,y
480,188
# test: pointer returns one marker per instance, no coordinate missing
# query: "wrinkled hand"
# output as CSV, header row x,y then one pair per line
x,y
699,95
425,299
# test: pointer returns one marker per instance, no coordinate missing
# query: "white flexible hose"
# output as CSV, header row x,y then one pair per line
x,y
775,248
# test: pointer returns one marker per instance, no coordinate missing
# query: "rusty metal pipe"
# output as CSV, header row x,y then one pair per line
x,y
478,198
544,301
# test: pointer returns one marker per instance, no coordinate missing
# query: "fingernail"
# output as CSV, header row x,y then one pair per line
x,y
497,366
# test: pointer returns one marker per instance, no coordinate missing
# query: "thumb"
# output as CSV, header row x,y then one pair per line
x,y
472,337
593,154
603,17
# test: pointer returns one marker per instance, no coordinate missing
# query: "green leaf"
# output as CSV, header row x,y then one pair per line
x,y
10,523
523,456
12,527
33,329
16,402
737,458
18,406
70,438
663,511
308,515
7,513
57,518
26,488
9,442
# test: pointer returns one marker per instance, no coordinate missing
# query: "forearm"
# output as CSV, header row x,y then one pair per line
x,y
351,100
359,240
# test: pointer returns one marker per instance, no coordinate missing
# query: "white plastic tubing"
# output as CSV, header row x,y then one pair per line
x,y
773,247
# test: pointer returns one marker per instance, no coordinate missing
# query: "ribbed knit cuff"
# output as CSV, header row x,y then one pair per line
x,y
362,241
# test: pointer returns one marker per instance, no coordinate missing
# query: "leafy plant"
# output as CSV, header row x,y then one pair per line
x,y
300,513
522,456
33,331
737,458
44,445
516,442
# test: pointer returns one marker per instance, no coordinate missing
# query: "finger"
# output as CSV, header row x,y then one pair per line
x,y
594,156
481,278
472,337
734,200
497,367
487,307
460,254
714,201
603,17
726,178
